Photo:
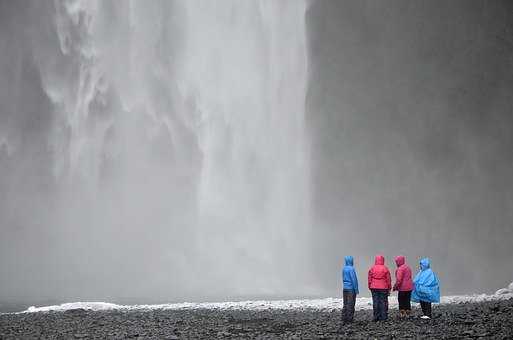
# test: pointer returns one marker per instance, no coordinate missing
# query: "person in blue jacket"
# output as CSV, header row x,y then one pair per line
x,y
350,289
426,288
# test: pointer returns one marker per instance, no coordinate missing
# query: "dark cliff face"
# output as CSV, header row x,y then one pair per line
x,y
411,116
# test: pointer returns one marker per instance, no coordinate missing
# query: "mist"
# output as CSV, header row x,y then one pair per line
x,y
153,151
159,151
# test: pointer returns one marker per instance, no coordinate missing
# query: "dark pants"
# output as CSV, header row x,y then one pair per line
x,y
380,304
404,300
349,297
426,308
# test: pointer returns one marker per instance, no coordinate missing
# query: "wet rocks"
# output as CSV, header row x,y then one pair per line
x,y
492,319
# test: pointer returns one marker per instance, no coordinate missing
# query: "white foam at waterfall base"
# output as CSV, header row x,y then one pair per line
x,y
505,291
299,304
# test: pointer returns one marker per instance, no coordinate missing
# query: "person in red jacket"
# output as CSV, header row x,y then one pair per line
x,y
403,285
380,285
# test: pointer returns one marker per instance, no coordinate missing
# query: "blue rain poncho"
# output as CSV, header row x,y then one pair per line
x,y
349,278
426,286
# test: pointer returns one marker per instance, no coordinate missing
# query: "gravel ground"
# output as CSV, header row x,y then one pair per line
x,y
468,320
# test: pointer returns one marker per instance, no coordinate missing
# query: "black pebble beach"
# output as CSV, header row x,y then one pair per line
x,y
487,320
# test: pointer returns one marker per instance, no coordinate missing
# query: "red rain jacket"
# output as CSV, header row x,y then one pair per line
x,y
403,281
379,275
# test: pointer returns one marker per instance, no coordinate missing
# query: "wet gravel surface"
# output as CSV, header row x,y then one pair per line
x,y
469,320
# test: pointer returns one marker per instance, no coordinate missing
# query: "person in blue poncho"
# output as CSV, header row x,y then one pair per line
x,y
350,289
426,288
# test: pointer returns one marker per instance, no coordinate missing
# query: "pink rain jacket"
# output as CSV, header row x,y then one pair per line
x,y
403,281
379,275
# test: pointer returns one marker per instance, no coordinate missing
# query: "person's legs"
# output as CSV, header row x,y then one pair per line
x,y
351,301
384,308
423,307
407,298
401,302
345,294
382,305
375,302
426,308
407,303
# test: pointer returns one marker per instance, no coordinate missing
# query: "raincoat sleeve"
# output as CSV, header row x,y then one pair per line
x,y
354,278
398,278
342,276
389,281
369,278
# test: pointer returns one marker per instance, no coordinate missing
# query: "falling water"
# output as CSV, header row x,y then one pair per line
x,y
176,146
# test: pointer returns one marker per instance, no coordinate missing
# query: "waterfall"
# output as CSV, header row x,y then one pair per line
x,y
245,66
178,148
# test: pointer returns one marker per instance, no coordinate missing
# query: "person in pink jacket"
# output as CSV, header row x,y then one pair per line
x,y
380,284
403,285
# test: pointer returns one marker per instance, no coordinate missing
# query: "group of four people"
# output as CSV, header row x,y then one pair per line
x,y
424,288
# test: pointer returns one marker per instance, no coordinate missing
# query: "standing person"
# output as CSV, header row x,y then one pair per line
x,y
350,289
379,285
426,288
403,285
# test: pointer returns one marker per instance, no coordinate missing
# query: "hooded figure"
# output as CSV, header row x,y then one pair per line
x,y
403,282
350,285
403,285
379,275
379,285
426,286
349,275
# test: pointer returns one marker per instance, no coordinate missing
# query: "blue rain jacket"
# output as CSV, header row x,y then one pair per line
x,y
349,275
426,286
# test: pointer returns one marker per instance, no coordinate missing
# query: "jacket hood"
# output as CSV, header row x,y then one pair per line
x,y
424,263
380,260
348,260
400,260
